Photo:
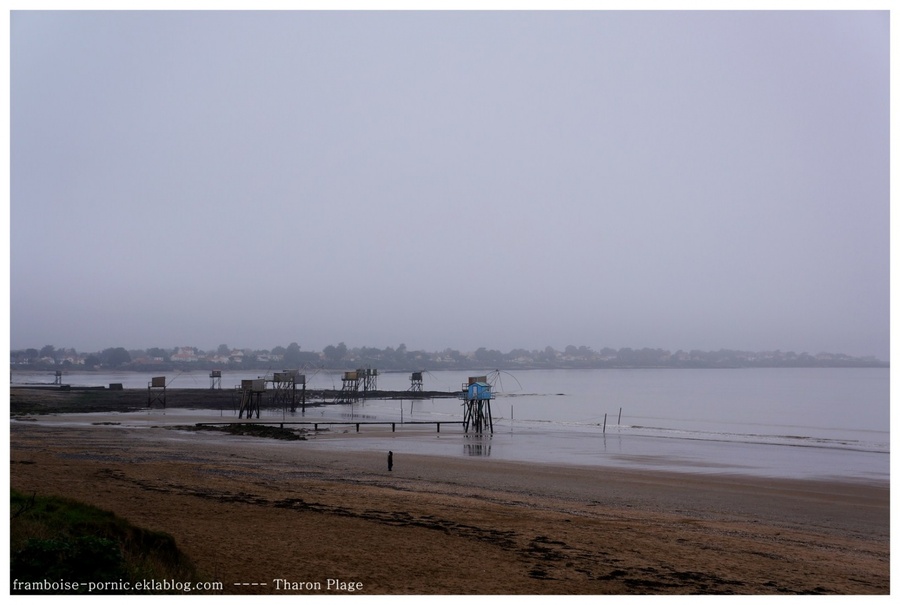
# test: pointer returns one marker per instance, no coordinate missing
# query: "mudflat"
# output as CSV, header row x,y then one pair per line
x,y
262,516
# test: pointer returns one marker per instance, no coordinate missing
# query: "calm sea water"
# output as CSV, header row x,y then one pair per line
x,y
806,423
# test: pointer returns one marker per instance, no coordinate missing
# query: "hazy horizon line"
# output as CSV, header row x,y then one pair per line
x,y
465,352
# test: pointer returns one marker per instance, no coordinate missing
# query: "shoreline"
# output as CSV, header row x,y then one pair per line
x,y
434,523
527,445
405,432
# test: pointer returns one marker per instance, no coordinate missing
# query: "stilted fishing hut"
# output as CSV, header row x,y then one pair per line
x,y
156,391
251,392
349,387
368,379
416,382
284,389
476,396
364,379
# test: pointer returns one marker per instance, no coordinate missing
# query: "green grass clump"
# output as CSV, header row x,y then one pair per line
x,y
53,538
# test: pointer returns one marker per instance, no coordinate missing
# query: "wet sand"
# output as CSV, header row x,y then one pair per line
x,y
268,517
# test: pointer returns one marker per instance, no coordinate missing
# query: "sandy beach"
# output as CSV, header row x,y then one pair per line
x,y
262,516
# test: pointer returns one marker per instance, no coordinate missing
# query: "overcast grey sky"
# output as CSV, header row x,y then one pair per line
x,y
683,180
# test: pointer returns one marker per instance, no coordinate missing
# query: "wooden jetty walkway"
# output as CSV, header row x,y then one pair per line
x,y
315,424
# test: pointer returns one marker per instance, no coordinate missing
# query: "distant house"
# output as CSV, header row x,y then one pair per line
x,y
147,361
184,354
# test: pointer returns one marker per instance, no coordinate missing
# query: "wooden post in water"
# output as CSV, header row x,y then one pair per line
x,y
604,424
620,416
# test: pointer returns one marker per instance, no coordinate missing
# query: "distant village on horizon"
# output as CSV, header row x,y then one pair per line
x,y
341,357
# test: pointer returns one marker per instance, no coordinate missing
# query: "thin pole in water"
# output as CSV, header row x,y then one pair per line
x,y
620,416
604,424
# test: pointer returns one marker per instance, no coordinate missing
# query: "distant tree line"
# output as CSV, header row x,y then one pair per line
x,y
340,356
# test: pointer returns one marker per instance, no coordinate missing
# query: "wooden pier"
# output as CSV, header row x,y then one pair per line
x,y
315,424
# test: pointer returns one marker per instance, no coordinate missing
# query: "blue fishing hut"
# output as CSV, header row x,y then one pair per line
x,y
476,396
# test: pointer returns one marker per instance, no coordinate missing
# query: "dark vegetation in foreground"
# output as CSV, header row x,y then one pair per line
x,y
55,540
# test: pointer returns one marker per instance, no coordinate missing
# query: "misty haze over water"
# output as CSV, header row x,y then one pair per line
x,y
688,180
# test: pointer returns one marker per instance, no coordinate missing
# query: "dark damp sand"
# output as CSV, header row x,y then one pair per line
x,y
259,511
